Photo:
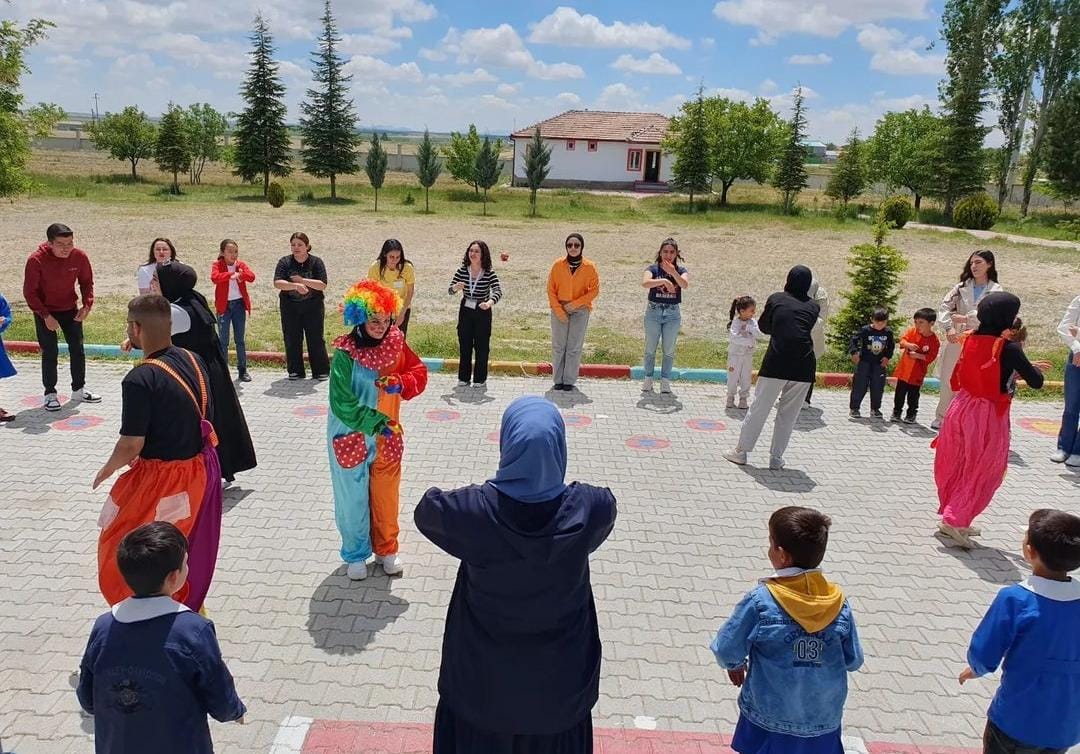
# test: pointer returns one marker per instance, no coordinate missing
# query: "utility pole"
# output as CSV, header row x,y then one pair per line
x,y
94,115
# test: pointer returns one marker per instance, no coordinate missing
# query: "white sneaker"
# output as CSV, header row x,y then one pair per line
x,y
480,385
1059,456
737,457
1073,461
646,386
357,571
462,383
665,386
776,464
391,564
935,425
87,397
52,403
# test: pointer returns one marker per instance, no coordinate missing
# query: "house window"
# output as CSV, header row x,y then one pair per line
x,y
633,160
570,145
592,146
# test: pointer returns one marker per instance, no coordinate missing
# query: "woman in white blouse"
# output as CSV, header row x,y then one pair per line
x,y
1068,444
161,250
957,314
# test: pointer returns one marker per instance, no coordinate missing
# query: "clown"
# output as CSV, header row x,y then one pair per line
x,y
371,372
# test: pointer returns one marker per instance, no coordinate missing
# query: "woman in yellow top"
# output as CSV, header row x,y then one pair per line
x,y
573,284
392,269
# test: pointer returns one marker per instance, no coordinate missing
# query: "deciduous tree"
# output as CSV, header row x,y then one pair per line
x,y
127,135
206,129
902,152
744,141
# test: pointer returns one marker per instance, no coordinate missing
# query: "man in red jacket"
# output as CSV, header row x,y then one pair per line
x,y
49,289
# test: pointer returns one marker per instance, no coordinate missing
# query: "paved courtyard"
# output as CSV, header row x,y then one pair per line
x,y
317,655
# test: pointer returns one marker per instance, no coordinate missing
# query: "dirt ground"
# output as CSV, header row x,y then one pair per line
x,y
724,260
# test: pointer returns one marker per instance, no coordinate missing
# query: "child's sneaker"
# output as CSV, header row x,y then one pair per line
x,y
876,414
665,386
895,417
731,404
357,571
854,414
391,564
52,403
646,386
742,405
910,418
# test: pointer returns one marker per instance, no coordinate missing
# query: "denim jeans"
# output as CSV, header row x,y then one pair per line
x,y
661,326
236,315
1069,437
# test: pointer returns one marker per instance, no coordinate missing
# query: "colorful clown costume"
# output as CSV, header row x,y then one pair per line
x,y
368,379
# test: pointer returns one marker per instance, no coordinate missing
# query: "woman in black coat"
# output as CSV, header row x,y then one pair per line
x,y
521,652
235,451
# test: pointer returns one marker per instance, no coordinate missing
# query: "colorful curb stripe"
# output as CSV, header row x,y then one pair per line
x,y
645,442
442,415
605,371
706,425
77,423
309,412
1045,427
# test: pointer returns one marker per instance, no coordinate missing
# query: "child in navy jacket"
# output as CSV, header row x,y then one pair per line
x,y
1032,630
153,670
871,350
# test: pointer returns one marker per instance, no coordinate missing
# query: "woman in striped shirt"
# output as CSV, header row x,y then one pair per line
x,y
480,289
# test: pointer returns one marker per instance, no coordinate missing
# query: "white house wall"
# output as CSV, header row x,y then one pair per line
x,y
606,165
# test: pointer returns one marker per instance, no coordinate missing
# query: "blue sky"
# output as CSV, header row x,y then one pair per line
x,y
446,63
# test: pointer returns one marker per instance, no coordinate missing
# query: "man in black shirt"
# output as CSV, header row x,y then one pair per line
x,y
167,440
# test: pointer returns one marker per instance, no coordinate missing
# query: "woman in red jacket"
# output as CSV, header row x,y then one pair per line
x,y
230,277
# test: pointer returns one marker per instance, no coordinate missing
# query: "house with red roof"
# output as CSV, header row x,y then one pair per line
x,y
600,149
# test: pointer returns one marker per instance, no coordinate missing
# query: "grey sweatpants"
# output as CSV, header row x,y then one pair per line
x,y
567,339
768,389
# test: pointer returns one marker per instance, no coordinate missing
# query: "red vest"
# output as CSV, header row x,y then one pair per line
x,y
979,369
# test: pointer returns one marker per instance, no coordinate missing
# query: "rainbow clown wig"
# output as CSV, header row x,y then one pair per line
x,y
366,298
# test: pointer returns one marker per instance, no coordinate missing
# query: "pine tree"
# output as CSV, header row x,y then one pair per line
x,y
487,168
688,140
173,148
849,176
262,146
790,176
537,166
328,124
428,166
375,166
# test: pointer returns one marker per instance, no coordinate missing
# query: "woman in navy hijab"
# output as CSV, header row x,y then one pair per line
x,y
521,651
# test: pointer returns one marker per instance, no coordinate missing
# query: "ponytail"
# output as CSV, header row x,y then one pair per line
x,y
737,305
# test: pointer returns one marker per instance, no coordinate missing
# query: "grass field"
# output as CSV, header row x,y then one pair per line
x,y
746,247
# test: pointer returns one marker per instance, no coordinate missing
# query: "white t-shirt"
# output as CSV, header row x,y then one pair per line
x,y
234,286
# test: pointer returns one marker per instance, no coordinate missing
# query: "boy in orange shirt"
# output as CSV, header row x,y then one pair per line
x,y
918,349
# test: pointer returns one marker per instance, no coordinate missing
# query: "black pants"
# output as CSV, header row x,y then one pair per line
x,y
47,341
911,393
403,322
299,320
810,392
869,374
474,336
995,741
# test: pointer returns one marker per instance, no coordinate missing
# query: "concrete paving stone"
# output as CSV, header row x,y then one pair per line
x,y
301,639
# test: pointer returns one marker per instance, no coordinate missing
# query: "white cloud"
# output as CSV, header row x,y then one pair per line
x,y
896,54
377,43
500,47
507,90
656,64
708,43
464,78
820,58
835,124
568,99
367,70
568,28
619,97
224,59
776,18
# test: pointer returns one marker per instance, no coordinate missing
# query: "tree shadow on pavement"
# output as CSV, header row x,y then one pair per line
x,y
782,480
660,403
988,563
345,615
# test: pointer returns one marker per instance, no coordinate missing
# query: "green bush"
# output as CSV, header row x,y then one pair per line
x,y
976,212
897,211
844,212
306,196
275,194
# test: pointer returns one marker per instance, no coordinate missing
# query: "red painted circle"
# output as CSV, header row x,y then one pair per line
x,y
706,425
77,423
647,442
493,437
442,415
578,421
309,412
37,401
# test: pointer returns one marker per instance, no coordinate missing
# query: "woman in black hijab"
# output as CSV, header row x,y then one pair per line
x,y
788,370
177,283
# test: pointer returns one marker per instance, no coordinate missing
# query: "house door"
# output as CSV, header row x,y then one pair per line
x,y
652,167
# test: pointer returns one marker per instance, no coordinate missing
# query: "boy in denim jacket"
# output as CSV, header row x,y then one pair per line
x,y
790,644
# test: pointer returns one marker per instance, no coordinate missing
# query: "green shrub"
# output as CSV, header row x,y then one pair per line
x,y
845,212
306,196
409,199
976,212
275,194
1071,227
898,211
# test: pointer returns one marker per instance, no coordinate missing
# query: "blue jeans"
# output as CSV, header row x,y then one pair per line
x,y
661,325
1069,437
234,315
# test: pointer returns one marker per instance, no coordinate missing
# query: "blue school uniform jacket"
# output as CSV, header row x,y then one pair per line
x,y
151,674
1032,630
7,369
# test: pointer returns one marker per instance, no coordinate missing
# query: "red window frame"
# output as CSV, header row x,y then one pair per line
x,y
592,146
630,158
570,144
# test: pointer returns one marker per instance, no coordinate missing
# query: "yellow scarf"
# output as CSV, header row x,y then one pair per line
x,y
808,598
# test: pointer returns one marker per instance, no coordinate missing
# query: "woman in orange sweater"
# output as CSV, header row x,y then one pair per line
x,y
573,284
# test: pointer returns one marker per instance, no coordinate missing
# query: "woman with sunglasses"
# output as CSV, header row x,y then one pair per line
x,y
573,285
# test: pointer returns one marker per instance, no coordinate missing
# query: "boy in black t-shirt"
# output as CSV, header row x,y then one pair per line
x,y
871,349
